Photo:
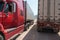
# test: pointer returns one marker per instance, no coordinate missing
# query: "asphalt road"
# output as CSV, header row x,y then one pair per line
x,y
34,35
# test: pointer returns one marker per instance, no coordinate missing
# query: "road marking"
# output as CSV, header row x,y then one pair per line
x,y
59,33
25,33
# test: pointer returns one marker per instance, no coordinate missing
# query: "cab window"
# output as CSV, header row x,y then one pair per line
x,y
12,7
1,6
6,8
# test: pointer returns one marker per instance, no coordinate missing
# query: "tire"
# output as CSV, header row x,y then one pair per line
x,y
56,31
25,29
39,29
2,37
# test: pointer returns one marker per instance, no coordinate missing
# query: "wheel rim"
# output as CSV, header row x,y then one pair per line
x,y
1,37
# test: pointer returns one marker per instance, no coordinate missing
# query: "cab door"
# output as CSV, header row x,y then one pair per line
x,y
8,17
1,9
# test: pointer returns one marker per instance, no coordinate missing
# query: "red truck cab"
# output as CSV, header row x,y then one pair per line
x,y
11,16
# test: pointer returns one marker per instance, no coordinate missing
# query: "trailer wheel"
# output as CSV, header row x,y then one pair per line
x,y
56,31
25,28
2,37
39,29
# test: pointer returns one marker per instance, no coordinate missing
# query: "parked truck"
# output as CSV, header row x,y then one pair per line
x,y
11,18
48,15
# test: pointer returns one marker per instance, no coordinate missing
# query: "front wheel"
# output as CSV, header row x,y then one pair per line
x,y
1,37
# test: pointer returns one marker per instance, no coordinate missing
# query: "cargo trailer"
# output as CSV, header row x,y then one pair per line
x,y
29,16
48,15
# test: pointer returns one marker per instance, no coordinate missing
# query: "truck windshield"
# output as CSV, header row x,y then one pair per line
x,y
1,6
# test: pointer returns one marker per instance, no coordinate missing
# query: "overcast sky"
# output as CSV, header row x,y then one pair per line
x,y
34,5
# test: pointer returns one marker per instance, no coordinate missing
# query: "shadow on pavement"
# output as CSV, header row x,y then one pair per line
x,y
45,35
15,37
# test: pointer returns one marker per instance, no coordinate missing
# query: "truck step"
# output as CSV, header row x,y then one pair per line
x,y
10,30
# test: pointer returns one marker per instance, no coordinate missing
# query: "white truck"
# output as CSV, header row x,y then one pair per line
x,y
29,16
48,15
